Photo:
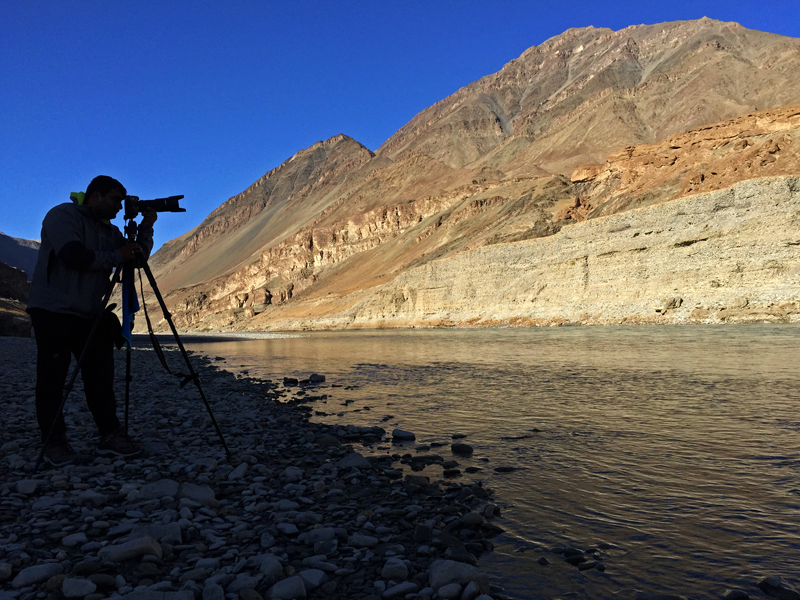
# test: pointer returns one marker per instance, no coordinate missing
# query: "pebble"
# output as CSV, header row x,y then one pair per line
x,y
395,569
450,591
399,434
77,588
464,449
401,590
777,587
27,486
288,589
36,574
297,511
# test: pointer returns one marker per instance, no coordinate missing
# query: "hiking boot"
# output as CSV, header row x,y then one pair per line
x,y
118,444
59,452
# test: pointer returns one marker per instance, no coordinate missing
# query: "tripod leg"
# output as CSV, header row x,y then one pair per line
x,y
127,385
143,264
82,358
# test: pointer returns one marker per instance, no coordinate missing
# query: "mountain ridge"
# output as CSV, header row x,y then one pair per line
x,y
519,154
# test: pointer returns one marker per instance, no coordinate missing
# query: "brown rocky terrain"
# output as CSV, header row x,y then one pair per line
x,y
513,157
14,285
587,92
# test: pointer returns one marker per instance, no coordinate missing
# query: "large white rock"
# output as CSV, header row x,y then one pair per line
x,y
213,591
159,489
131,550
243,581
270,566
77,587
313,578
27,486
325,534
238,472
291,588
395,569
74,539
400,590
199,493
443,572
354,460
358,540
36,574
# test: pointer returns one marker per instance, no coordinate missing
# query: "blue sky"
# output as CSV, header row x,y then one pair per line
x,y
202,98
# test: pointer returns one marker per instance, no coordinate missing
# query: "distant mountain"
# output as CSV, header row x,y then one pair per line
x,y
590,123
19,253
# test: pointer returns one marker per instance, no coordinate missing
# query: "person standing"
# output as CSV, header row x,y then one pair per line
x,y
79,250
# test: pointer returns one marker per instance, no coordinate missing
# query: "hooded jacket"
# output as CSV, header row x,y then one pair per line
x,y
78,253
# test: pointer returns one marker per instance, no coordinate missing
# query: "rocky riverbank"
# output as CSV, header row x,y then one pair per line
x,y
296,512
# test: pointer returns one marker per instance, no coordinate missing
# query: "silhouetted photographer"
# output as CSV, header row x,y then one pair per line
x,y
80,249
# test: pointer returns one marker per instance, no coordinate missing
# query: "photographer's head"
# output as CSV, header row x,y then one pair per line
x,y
105,195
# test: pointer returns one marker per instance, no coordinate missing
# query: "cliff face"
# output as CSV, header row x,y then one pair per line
x,y
724,256
322,272
590,124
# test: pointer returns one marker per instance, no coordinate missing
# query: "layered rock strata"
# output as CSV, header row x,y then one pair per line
x,y
724,256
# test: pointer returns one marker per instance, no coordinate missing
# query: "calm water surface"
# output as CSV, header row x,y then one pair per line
x,y
678,445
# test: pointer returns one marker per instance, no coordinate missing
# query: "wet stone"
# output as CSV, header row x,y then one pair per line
x,y
777,587
402,435
735,594
77,588
36,574
464,449
451,591
295,513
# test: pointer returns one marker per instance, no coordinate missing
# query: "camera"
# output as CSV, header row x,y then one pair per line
x,y
133,206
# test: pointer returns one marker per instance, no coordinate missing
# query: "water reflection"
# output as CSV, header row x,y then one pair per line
x,y
679,446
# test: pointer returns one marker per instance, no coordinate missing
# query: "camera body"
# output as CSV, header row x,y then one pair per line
x,y
133,206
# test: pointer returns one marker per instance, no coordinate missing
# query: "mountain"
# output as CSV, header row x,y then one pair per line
x,y
589,124
587,92
19,253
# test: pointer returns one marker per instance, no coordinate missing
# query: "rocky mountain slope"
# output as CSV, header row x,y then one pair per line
x,y
13,298
19,253
723,256
588,91
493,164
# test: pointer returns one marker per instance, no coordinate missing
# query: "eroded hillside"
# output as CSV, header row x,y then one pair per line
x,y
335,221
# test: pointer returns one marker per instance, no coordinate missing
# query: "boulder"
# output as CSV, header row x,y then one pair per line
x,y
36,574
444,572
131,550
776,587
291,588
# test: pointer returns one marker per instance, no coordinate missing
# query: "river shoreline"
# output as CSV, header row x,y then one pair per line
x,y
295,512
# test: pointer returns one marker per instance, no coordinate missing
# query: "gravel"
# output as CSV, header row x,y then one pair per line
x,y
299,510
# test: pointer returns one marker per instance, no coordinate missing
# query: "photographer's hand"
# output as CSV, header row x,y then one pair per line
x,y
149,217
129,251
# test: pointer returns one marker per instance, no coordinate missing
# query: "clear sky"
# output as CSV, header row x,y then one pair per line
x,y
203,97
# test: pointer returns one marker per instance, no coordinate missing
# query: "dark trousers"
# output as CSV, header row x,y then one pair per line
x,y
58,337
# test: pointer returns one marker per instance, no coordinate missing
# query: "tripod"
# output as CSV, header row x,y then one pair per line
x,y
140,263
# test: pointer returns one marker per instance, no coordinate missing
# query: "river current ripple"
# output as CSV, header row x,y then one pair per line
x,y
677,446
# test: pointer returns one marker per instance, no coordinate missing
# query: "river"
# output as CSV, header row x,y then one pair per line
x,y
677,448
